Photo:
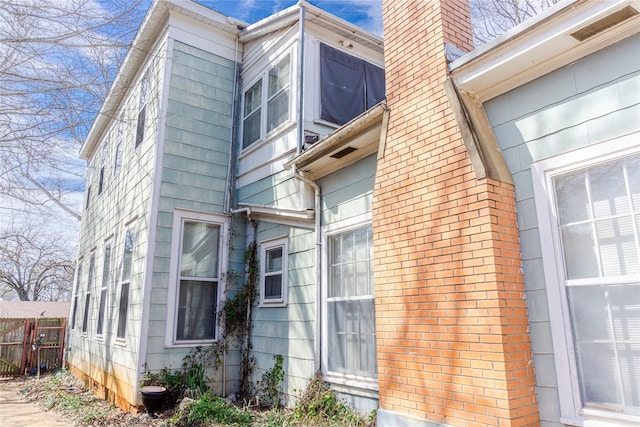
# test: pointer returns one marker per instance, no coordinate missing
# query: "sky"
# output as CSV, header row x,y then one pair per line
x,y
363,13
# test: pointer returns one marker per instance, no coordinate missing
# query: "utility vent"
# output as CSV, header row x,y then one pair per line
x,y
605,23
310,137
340,154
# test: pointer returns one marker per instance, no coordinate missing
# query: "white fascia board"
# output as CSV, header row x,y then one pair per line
x,y
340,138
538,47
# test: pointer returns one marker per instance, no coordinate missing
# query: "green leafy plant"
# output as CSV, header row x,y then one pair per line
x,y
318,405
210,409
270,386
193,366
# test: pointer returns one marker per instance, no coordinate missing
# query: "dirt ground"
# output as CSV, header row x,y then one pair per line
x,y
61,401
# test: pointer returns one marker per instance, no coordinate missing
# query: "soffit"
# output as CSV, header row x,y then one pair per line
x,y
540,46
346,145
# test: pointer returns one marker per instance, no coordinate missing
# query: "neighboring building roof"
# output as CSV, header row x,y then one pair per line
x,y
33,309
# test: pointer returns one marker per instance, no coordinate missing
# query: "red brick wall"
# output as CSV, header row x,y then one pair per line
x,y
453,342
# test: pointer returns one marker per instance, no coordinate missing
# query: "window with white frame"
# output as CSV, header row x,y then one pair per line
x,y
348,85
589,218
197,242
106,274
349,352
103,160
89,182
117,160
87,299
125,281
76,294
273,272
270,92
143,101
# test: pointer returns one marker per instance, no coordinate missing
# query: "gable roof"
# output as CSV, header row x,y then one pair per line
x,y
149,32
34,309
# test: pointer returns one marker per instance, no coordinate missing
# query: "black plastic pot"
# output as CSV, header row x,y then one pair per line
x,y
152,397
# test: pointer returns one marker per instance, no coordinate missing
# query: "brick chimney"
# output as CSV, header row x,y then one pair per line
x,y
452,329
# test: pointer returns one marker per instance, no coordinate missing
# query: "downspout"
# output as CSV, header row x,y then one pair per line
x,y
228,197
301,79
317,217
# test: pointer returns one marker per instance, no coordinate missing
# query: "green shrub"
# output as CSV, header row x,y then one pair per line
x,y
270,386
213,409
318,405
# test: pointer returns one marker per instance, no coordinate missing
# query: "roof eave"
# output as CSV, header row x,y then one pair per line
x,y
538,47
338,138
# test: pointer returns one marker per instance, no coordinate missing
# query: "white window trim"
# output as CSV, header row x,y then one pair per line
x,y
330,376
144,95
76,294
122,341
104,285
572,409
179,217
317,84
88,294
119,145
264,247
264,100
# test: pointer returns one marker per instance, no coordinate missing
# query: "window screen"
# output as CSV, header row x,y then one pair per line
x,y
348,85
598,211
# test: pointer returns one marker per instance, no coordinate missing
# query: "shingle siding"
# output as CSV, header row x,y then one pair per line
x,y
590,101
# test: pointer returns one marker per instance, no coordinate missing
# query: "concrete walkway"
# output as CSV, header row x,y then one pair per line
x,y
15,411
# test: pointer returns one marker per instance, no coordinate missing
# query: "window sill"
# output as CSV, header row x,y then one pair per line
x,y
187,344
597,417
351,381
327,123
121,342
266,304
271,136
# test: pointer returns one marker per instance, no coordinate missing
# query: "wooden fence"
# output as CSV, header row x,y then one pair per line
x,y
25,343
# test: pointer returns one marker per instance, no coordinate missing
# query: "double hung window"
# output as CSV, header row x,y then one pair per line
x,y
76,295
197,286
271,93
87,299
349,323
143,101
273,283
103,164
117,159
106,271
591,226
125,282
90,169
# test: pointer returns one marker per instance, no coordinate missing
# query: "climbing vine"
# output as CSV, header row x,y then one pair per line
x,y
242,311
